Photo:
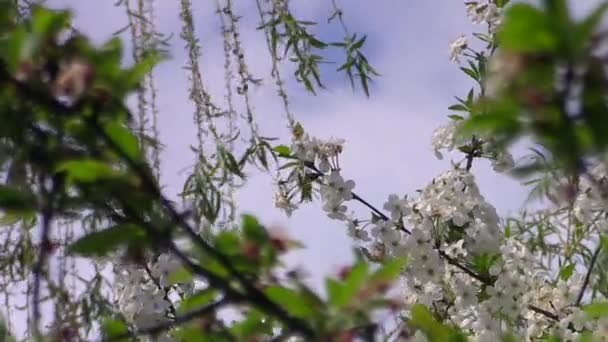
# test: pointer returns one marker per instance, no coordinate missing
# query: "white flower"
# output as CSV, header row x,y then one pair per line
x,y
164,266
484,12
396,206
465,293
281,201
336,186
457,47
355,232
304,148
503,161
444,138
335,211
385,232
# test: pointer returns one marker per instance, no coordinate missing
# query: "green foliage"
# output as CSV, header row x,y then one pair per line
x,y
12,199
298,303
435,331
112,328
539,51
86,171
305,49
566,272
527,29
596,310
105,241
342,294
282,151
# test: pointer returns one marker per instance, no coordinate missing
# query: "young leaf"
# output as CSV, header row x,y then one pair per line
x,y
526,29
596,310
86,170
342,294
282,151
294,302
102,242
566,272
14,199
124,139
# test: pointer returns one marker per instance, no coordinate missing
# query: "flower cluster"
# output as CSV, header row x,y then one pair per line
x,y
484,12
319,161
452,208
142,294
457,48
324,154
445,138
140,301
591,199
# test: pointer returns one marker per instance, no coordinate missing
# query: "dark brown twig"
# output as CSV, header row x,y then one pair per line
x,y
596,254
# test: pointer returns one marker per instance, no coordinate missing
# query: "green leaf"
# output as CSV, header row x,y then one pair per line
x,y
102,242
124,139
389,271
48,22
253,230
180,276
458,108
86,170
423,319
586,336
16,200
293,301
197,300
501,3
282,151
136,75
342,294
587,27
194,334
604,241
472,74
253,325
526,29
596,310
298,130
112,328
456,117
566,272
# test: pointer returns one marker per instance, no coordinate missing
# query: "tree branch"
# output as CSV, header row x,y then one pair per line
x,y
179,320
43,249
596,254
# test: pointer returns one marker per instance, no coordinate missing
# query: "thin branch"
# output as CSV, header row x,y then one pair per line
x,y
179,320
38,268
596,254
43,250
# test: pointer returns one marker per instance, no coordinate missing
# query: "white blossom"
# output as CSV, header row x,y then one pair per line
x,y
444,138
484,12
457,47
